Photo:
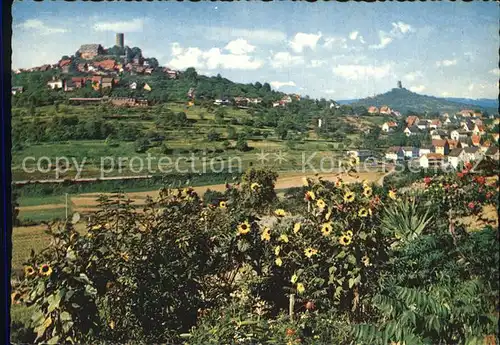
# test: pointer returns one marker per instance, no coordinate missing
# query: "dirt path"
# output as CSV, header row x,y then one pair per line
x,y
41,207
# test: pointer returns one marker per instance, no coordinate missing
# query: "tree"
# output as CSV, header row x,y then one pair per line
x,y
141,145
231,133
190,74
241,143
212,135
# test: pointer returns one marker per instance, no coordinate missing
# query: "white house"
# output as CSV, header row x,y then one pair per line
x,y
424,150
55,84
410,152
389,126
423,125
472,154
411,131
456,157
133,86
454,135
394,153
431,160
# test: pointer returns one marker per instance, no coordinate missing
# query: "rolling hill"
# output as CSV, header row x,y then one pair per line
x,y
404,100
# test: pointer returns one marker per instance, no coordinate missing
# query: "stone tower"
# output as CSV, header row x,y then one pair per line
x,y
120,40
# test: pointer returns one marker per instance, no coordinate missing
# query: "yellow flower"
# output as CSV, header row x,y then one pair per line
x,y
363,212
277,250
294,279
278,262
365,260
244,228
321,204
266,234
392,194
15,297
222,204
124,256
367,192
365,183
349,197
284,238
300,288
29,271
345,240
338,183
280,212
296,227
305,182
348,233
112,324
310,195
354,161
45,270
326,229
254,186
310,252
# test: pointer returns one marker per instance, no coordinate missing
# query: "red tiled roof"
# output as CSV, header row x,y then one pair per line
x,y
63,63
439,142
434,156
105,64
476,139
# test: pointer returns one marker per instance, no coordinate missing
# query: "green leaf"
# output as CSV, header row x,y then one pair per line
x,y
362,235
243,246
90,290
53,340
351,259
351,283
82,278
37,318
65,316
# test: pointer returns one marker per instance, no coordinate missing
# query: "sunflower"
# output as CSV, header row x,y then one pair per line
x,y
363,212
277,250
266,234
45,270
310,195
300,288
345,240
321,204
254,186
365,183
305,182
296,227
367,191
392,194
284,238
280,212
365,260
349,197
338,183
244,228
310,252
222,204
294,279
278,262
15,297
348,233
326,229
29,271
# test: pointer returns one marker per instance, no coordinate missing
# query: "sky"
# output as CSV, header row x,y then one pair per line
x,y
326,50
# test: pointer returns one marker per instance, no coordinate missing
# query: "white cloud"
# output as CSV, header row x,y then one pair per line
x,y
353,35
279,84
285,59
412,76
335,42
359,72
40,27
239,47
446,63
401,27
495,71
385,40
417,89
134,25
225,34
361,39
329,91
211,59
445,94
302,40
317,63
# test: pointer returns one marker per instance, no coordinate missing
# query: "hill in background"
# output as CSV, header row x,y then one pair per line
x,y
404,100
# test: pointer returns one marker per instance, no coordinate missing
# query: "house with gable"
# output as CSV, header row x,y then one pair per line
x,y
441,146
389,126
432,160
414,130
472,154
456,157
394,154
412,120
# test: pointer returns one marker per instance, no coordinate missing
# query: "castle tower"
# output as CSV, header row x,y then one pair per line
x,y
120,40
400,85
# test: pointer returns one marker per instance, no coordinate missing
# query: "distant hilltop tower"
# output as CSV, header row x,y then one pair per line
x,y
120,40
400,85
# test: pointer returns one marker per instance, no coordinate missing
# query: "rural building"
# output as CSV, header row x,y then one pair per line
x,y
456,157
431,160
55,84
17,89
453,144
90,51
412,120
410,152
385,110
107,83
435,124
372,110
441,146
411,131
107,65
389,126
425,149
133,86
69,85
147,87
395,153
492,153
472,154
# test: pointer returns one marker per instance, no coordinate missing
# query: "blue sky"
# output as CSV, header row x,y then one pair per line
x,y
331,50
